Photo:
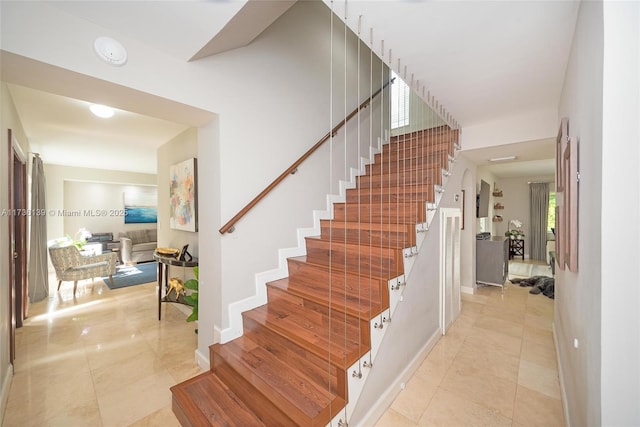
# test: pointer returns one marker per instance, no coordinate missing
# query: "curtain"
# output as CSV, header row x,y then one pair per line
x,y
538,209
38,269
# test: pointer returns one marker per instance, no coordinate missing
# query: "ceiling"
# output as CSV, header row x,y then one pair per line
x,y
486,60
532,159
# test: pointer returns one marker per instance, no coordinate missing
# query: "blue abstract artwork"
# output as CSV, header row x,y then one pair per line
x,y
141,205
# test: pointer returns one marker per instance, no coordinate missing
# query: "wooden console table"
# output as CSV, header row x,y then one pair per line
x,y
163,278
516,248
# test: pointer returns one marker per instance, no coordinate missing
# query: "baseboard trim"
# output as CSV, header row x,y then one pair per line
x,y
563,390
6,387
386,399
468,290
202,360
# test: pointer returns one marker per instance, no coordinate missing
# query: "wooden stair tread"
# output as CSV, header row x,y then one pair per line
x,y
438,153
409,212
398,179
206,401
420,132
300,266
363,303
345,256
412,164
426,145
390,194
304,259
295,393
309,329
370,233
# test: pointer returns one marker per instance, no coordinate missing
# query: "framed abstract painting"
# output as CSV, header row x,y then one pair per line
x,y
183,195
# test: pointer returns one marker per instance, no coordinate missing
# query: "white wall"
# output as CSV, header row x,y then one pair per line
x,y
8,120
99,207
620,329
599,305
111,182
518,127
210,284
578,311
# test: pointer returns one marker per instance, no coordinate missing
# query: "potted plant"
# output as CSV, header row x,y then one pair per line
x,y
192,298
515,232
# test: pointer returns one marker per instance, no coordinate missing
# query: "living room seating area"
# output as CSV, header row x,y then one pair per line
x,y
138,245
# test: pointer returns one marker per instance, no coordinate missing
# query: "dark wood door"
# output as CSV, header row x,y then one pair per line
x,y
17,240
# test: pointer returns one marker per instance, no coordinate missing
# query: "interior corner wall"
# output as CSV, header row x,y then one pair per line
x,y
9,119
578,311
57,175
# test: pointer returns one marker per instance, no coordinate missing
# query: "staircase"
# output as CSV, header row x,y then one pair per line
x,y
291,366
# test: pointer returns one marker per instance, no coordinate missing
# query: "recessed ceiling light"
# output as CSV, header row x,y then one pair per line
x,y
101,111
110,51
503,159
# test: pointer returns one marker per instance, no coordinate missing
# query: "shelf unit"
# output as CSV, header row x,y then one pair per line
x,y
497,205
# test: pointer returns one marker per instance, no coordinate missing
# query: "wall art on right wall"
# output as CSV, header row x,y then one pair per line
x,y
567,189
183,195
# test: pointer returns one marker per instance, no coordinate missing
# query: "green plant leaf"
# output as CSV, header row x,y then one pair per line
x,y
194,315
191,284
196,271
191,300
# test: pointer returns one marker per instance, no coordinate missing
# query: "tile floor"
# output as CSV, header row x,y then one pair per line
x,y
496,366
103,359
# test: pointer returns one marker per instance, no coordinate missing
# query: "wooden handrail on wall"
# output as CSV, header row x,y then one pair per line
x,y
229,226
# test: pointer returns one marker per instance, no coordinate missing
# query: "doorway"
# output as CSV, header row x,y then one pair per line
x,y
17,239
450,224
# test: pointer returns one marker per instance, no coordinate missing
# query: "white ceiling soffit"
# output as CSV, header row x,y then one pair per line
x,y
254,17
481,59
533,159
65,132
185,29
27,72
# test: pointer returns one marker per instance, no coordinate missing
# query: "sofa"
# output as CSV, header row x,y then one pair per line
x,y
138,245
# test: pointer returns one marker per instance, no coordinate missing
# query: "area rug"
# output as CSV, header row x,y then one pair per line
x,y
131,275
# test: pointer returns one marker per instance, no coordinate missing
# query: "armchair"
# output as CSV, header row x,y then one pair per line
x,y
71,265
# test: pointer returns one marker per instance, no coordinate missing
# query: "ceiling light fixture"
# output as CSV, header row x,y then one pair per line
x,y
502,159
110,51
101,111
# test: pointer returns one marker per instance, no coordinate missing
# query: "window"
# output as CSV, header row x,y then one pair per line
x,y
551,213
399,102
